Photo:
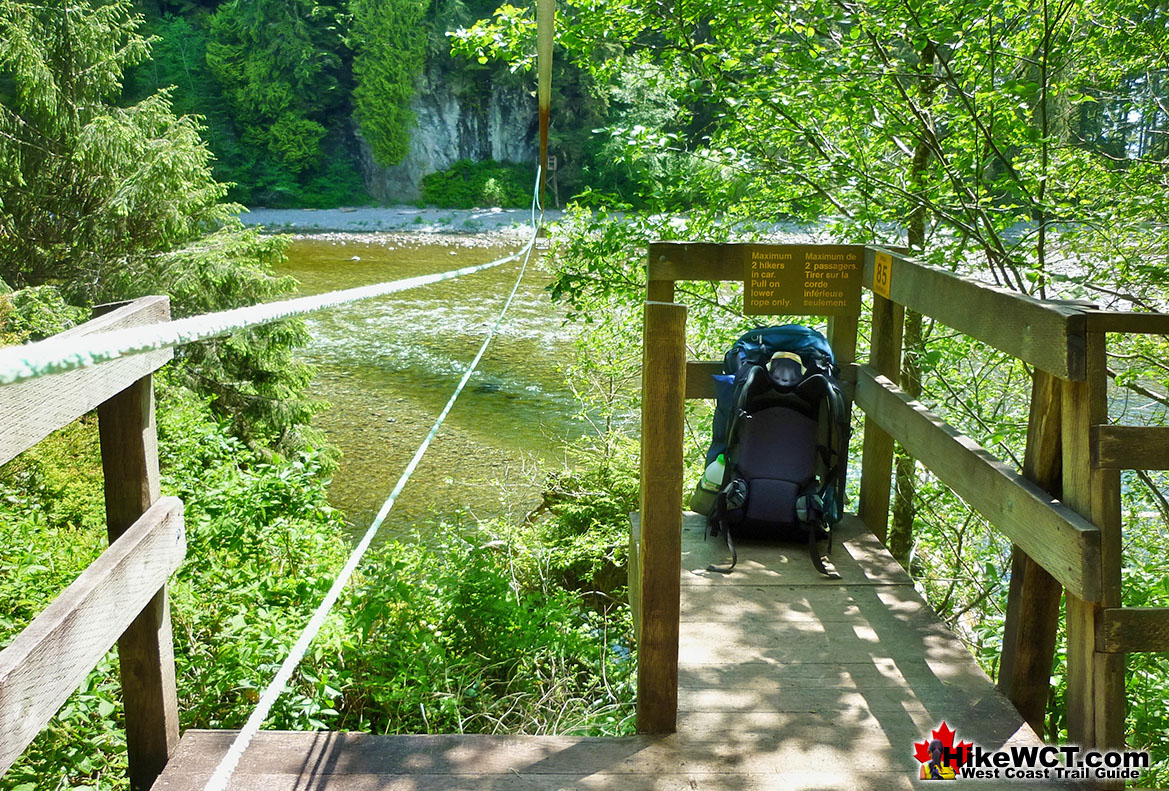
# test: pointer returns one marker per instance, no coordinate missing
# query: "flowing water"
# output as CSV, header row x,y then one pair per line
x,y
388,366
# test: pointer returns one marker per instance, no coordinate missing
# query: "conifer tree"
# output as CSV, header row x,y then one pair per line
x,y
111,202
390,45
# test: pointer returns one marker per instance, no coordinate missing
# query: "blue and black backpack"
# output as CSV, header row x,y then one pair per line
x,y
781,427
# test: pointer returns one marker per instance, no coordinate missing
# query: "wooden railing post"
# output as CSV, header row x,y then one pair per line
x,y
877,458
660,556
1032,621
129,451
842,332
1095,681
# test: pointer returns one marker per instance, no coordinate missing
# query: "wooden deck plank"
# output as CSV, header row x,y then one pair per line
x,y
780,647
840,781
786,681
344,762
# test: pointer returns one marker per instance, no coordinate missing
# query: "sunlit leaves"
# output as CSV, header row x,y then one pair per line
x,y
390,45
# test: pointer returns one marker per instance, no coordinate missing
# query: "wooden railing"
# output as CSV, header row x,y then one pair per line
x,y
122,596
1062,511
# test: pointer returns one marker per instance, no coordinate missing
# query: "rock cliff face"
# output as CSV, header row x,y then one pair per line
x,y
456,119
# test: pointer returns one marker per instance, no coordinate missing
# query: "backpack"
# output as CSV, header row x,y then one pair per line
x,y
781,428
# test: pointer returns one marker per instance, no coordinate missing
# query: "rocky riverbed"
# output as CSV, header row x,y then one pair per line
x,y
411,219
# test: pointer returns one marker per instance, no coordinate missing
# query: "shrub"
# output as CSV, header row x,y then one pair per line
x,y
461,634
468,184
448,637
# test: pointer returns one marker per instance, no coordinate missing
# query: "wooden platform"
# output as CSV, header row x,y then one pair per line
x,y
787,681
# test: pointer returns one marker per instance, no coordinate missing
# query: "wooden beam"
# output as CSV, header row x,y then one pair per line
x,y
1063,542
1132,630
660,291
877,453
1130,447
32,410
699,383
1032,621
1049,336
842,335
1128,321
633,573
129,455
52,656
695,261
662,425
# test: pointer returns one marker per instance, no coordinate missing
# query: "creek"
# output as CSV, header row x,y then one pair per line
x,y
388,365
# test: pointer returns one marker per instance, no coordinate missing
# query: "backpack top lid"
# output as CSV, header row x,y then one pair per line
x,y
786,369
760,345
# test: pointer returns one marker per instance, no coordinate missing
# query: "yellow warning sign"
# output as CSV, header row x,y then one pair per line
x,y
802,279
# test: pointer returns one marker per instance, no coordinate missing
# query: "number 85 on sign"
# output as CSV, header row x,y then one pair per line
x,y
882,274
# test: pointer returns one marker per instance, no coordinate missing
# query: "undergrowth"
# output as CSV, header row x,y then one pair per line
x,y
467,185
500,628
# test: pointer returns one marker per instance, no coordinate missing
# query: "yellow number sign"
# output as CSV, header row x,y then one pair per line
x,y
882,274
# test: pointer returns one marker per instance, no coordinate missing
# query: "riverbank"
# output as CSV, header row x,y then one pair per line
x,y
370,219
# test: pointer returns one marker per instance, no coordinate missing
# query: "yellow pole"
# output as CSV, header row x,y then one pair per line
x,y
545,36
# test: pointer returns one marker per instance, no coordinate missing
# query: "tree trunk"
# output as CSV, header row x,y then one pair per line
x,y
900,538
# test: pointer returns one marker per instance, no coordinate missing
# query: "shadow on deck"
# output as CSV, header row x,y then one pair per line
x,y
786,681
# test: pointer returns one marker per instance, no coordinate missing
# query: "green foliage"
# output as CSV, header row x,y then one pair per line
x,y
263,547
462,634
178,58
253,376
508,36
447,638
587,107
389,40
467,184
90,191
279,63
109,203
587,537
902,121
32,314
283,69
335,183
255,174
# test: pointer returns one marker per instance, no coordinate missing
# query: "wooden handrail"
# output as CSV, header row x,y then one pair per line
x,y
1128,322
122,595
53,654
1046,334
32,410
1063,542
1130,630
1130,447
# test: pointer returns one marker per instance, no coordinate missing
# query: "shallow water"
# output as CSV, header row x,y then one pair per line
x,y
388,366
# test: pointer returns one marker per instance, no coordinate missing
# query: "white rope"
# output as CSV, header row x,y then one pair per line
x,y
50,356
222,775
